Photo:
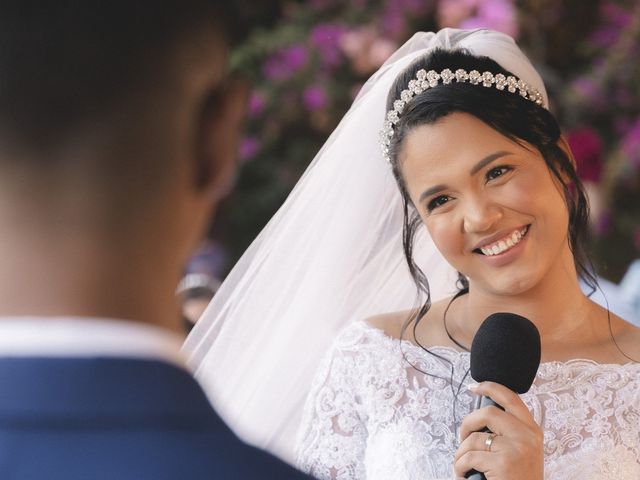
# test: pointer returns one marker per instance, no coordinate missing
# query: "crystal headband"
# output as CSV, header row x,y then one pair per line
x,y
429,79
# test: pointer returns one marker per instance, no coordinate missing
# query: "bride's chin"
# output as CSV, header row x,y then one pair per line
x,y
507,287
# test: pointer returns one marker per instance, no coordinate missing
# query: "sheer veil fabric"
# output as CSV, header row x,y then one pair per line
x,y
331,255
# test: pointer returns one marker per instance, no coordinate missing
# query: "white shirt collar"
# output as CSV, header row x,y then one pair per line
x,y
88,337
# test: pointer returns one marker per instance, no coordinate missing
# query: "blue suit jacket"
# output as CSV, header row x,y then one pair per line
x,y
120,419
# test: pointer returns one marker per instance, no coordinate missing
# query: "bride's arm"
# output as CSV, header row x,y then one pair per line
x,y
332,439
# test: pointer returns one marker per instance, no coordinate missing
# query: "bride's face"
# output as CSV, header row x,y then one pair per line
x,y
493,208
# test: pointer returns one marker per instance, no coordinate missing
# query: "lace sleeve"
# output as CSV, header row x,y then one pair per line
x,y
331,441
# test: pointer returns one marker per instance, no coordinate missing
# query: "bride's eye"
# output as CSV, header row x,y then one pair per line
x,y
437,202
496,172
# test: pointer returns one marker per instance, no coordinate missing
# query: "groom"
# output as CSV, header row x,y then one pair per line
x,y
118,130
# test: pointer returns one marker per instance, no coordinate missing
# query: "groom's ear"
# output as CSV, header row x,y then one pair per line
x,y
219,132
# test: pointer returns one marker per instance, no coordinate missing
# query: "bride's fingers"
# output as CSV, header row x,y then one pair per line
x,y
515,417
516,444
479,441
507,399
492,418
473,460
500,457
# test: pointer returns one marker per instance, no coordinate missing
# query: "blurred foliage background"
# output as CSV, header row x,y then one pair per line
x,y
307,59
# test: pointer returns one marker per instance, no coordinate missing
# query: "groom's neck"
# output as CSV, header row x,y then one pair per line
x,y
53,268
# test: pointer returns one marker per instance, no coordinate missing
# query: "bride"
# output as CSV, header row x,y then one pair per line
x,y
358,302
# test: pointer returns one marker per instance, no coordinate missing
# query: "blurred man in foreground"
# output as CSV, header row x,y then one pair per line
x,y
118,130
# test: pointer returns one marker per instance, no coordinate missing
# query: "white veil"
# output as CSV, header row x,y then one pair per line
x,y
331,254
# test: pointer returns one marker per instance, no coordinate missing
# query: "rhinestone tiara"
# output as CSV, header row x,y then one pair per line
x,y
425,80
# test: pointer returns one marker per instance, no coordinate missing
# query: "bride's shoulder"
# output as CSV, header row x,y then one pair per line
x,y
392,323
627,336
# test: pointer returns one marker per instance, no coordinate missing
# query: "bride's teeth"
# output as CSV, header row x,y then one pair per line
x,y
503,245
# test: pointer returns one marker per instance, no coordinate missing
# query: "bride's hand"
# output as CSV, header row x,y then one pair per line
x,y
516,450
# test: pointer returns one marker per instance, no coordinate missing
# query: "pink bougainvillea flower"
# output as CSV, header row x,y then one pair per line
x,y
257,104
249,147
586,145
498,15
326,38
286,63
315,97
631,144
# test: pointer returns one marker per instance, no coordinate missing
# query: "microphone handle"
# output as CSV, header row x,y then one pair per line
x,y
481,402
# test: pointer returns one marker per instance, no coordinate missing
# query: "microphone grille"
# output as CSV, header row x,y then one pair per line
x,y
506,350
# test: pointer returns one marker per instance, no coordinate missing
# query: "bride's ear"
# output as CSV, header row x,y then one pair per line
x,y
219,132
564,145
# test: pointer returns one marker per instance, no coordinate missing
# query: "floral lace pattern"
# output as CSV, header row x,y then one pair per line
x,y
371,415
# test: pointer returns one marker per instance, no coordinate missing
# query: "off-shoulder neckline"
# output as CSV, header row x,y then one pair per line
x,y
454,351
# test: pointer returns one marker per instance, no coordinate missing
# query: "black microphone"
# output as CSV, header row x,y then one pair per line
x,y
505,350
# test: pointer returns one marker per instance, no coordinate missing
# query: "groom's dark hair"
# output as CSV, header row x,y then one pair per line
x,y
65,63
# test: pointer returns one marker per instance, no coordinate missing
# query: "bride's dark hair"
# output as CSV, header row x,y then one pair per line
x,y
517,118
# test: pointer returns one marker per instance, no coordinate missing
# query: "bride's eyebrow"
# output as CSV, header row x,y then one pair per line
x,y
487,160
430,191
475,169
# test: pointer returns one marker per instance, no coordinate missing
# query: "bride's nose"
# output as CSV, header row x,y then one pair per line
x,y
480,215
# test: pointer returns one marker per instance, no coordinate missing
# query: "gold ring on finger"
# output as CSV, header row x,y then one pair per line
x,y
489,441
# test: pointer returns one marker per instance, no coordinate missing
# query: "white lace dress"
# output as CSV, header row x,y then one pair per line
x,y
371,415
